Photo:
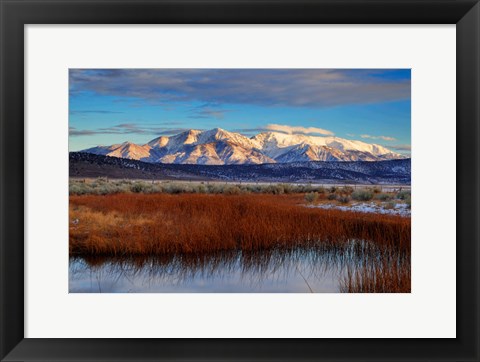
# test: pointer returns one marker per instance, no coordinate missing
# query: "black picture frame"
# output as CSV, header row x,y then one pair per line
x,y
15,14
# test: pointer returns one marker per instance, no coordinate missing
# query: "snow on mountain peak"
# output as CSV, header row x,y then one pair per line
x,y
218,146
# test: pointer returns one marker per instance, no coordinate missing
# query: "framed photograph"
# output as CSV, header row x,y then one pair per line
x,y
239,180
221,202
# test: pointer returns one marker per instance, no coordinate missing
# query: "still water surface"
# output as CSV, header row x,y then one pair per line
x,y
293,271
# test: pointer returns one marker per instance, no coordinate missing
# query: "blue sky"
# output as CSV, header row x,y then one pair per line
x,y
108,106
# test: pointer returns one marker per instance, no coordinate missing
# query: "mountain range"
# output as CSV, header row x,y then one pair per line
x,y
221,147
86,165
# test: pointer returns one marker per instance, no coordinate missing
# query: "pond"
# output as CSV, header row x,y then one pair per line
x,y
272,271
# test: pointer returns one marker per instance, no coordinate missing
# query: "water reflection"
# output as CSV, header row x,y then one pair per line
x,y
297,270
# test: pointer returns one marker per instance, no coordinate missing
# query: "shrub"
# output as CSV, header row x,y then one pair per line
x,y
187,189
172,188
275,189
408,201
138,187
157,188
332,197
403,195
106,189
362,195
305,188
311,197
383,197
104,186
288,189
389,205
343,199
101,180
232,190
76,189
255,188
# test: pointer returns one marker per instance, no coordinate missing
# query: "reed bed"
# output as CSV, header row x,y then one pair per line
x,y
385,274
156,224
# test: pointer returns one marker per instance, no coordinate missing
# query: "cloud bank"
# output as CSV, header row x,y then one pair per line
x,y
262,87
400,147
297,129
127,128
208,111
385,138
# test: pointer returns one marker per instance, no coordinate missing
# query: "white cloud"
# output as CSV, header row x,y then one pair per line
x,y
385,138
405,147
298,129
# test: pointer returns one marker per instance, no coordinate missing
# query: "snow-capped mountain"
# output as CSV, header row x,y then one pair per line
x,y
220,147
124,150
291,148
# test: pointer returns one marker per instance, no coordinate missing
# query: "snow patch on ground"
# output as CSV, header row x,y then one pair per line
x,y
398,209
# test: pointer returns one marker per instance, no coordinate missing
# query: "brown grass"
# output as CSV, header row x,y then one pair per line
x,y
139,224
385,274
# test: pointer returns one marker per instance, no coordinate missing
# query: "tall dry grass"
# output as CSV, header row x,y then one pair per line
x,y
386,273
154,224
